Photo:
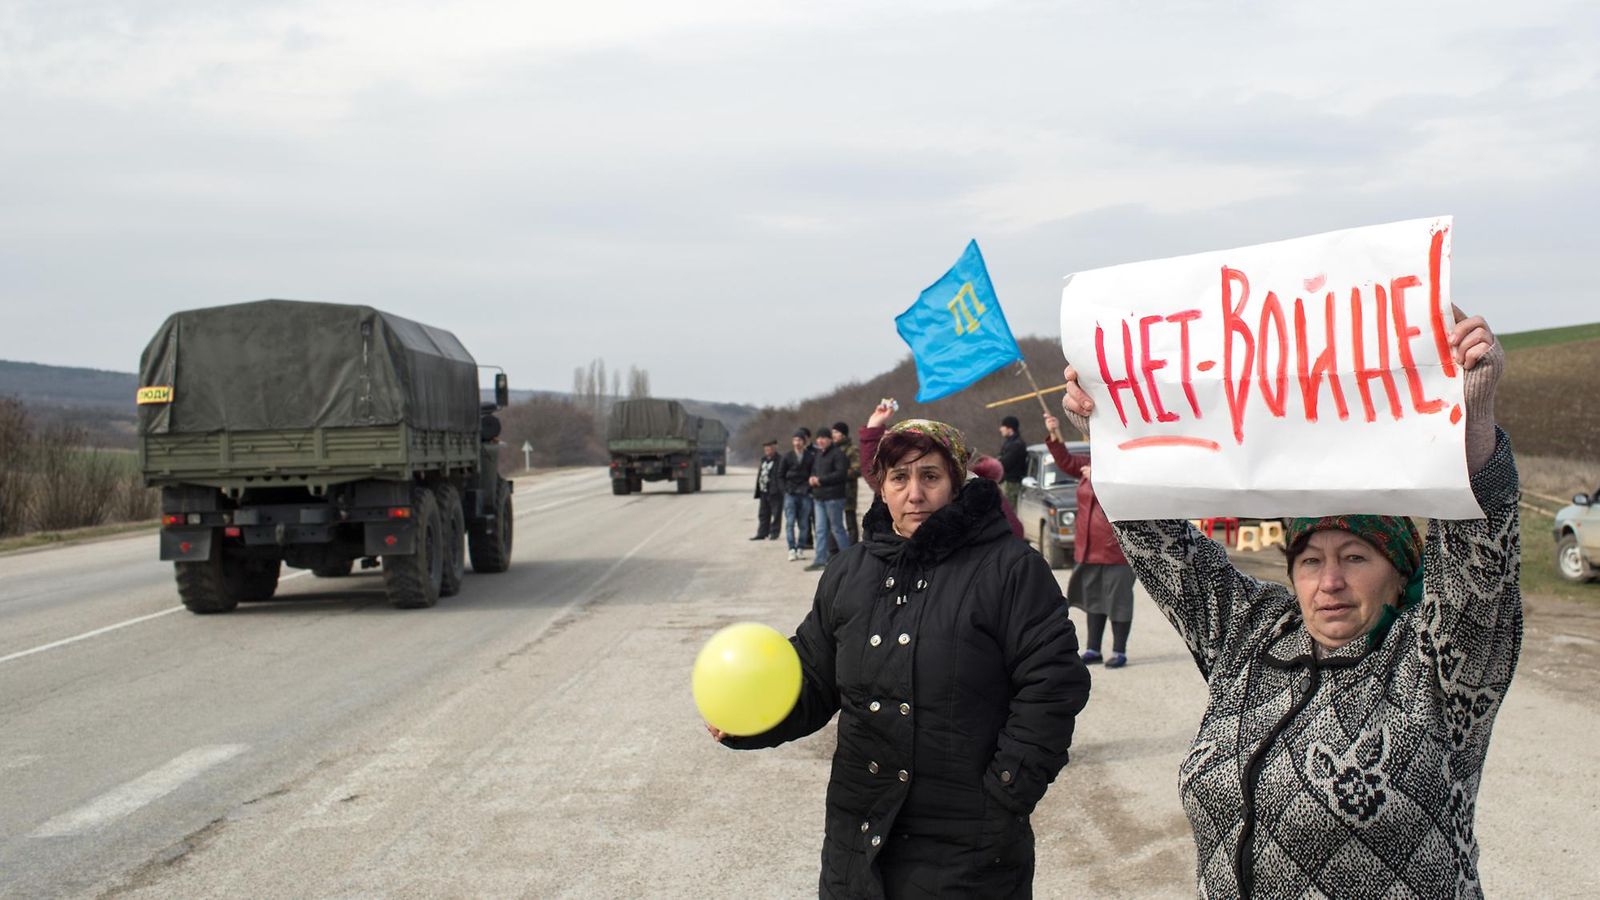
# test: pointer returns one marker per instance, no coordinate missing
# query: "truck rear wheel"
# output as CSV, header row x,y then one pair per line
x,y
490,542
220,584
635,484
455,540
619,486
686,484
413,581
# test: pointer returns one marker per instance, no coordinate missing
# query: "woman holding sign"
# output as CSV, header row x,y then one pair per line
x,y
942,642
1349,719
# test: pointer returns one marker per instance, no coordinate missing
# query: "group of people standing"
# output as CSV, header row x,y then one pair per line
x,y
1349,711
808,493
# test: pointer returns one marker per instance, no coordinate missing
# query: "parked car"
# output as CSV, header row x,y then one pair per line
x,y
1577,533
1048,505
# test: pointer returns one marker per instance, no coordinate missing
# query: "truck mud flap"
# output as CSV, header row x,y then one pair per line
x,y
396,537
185,544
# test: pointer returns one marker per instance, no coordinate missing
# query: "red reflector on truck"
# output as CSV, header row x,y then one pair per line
x,y
172,520
390,540
399,512
232,531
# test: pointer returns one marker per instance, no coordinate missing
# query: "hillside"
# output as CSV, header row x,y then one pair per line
x,y
1549,400
101,402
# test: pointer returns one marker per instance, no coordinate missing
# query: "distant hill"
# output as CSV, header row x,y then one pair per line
x,y
61,386
102,402
1549,400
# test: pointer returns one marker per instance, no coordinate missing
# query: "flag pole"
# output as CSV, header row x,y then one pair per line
x,y
1036,392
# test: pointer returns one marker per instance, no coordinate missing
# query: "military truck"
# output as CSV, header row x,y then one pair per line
x,y
653,440
314,435
713,444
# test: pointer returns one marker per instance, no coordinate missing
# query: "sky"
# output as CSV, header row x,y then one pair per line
x,y
738,196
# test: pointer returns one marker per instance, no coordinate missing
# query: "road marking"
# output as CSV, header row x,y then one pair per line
x,y
89,634
99,631
130,797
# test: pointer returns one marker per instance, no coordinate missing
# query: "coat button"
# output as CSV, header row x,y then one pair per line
x,y
876,840
905,709
1005,776
904,775
905,639
874,706
875,640
872,767
865,826
889,582
921,584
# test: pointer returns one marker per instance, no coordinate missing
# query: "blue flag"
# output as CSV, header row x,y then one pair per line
x,y
956,330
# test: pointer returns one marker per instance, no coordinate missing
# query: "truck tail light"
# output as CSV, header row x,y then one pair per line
x,y
172,520
232,531
399,512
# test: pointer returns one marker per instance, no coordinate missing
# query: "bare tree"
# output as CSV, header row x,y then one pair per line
x,y
638,382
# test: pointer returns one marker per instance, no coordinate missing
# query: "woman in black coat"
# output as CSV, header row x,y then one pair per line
x,y
943,643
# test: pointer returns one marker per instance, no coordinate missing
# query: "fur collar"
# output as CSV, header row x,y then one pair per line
x,y
974,516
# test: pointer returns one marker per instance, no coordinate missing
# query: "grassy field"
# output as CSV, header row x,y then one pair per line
x,y
1523,340
1539,574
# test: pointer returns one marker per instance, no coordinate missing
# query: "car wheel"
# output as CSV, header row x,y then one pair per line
x,y
1570,561
1051,550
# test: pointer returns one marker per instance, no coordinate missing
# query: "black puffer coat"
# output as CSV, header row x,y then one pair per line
x,y
954,668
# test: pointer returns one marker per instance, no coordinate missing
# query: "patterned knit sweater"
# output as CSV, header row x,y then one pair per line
x,y
1353,775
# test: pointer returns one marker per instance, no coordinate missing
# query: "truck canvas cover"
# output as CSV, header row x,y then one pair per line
x,y
713,433
287,364
650,418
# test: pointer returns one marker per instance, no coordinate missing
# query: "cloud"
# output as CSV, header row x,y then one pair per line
x,y
741,196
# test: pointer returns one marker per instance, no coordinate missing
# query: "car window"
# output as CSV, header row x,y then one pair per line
x,y
1053,476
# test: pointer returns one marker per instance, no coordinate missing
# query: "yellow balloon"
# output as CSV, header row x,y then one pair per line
x,y
746,678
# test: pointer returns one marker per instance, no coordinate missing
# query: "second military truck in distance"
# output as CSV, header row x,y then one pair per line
x,y
714,444
653,440
316,435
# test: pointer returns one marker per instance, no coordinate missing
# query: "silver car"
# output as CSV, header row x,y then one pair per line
x,y
1048,505
1577,533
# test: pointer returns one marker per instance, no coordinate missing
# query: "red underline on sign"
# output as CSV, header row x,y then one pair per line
x,y
1169,440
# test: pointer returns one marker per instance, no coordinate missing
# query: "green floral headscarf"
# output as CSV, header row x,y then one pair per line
x,y
947,437
1394,536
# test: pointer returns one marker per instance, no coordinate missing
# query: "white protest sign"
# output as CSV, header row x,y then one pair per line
x,y
1306,377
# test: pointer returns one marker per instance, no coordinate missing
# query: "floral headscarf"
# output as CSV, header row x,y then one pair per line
x,y
948,437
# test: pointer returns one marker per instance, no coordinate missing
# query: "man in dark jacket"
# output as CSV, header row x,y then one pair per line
x,y
1013,457
794,473
852,485
769,491
829,473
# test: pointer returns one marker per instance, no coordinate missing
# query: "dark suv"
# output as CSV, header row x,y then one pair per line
x,y
1048,505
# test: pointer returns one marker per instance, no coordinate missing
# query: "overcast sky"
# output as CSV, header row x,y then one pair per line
x,y
740,195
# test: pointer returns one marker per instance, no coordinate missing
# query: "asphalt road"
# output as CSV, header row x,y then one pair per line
x,y
535,736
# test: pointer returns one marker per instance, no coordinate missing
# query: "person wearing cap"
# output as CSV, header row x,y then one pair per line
x,y
1349,715
1013,458
794,474
943,644
829,473
852,484
769,494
